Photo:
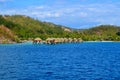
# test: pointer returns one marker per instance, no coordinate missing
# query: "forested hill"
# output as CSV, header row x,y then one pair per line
x,y
102,32
23,28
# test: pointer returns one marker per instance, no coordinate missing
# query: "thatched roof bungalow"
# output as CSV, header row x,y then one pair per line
x,y
37,40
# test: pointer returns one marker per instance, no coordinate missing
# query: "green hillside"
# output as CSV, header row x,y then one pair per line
x,y
31,28
102,32
24,28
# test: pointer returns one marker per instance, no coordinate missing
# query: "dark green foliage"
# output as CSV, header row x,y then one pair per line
x,y
118,33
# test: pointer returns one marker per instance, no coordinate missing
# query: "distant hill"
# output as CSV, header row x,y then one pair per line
x,y
102,32
20,27
26,27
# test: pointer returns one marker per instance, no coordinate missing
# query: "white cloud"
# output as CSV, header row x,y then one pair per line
x,y
45,14
90,13
71,11
37,7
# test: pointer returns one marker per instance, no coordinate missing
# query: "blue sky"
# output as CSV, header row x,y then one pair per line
x,y
71,13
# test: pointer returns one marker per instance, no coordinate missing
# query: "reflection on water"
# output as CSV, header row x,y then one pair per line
x,y
80,61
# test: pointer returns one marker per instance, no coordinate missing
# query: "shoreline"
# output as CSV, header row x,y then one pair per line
x,y
101,41
30,42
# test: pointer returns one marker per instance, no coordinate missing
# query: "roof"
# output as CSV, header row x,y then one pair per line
x,y
37,39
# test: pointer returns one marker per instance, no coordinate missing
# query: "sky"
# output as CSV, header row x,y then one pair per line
x,y
71,13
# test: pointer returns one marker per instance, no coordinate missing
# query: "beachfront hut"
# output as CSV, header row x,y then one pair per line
x,y
70,40
75,40
37,40
50,40
57,40
62,40
79,40
65,40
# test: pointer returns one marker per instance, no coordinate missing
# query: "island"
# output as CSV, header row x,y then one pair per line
x,y
21,28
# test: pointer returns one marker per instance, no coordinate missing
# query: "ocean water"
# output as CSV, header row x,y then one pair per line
x,y
75,61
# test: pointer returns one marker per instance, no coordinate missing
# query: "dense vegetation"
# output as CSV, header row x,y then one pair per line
x,y
25,27
102,32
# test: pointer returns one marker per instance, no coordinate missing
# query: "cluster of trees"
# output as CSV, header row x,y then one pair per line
x,y
25,27
102,32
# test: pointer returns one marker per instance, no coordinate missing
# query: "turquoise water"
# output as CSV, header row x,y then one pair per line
x,y
75,61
